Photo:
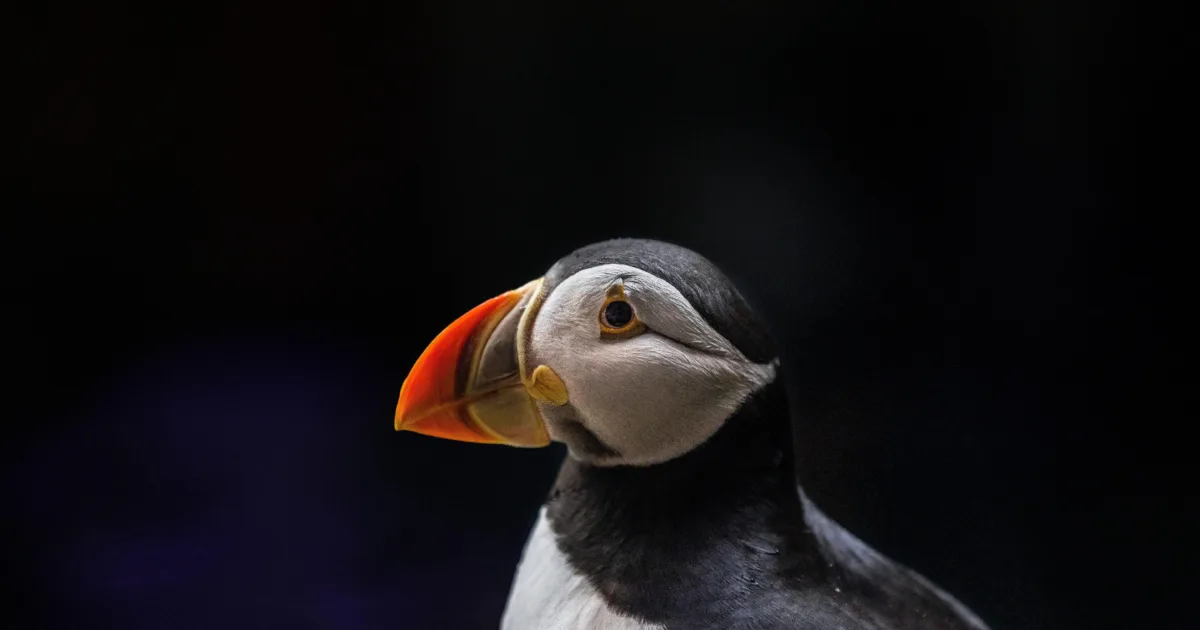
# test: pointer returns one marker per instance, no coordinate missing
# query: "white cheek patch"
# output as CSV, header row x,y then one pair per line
x,y
652,397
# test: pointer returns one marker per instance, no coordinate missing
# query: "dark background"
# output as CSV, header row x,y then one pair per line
x,y
252,217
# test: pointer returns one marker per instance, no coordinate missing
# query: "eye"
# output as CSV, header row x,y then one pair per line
x,y
617,314
618,320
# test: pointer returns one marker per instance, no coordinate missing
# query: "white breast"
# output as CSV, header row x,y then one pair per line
x,y
548,594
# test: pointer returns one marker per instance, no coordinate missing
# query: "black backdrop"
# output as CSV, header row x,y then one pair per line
x,y
253,217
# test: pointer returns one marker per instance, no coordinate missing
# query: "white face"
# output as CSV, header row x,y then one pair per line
x,y
650,394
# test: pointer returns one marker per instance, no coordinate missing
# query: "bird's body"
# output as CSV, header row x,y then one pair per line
x,y
677,507
720,538
548,592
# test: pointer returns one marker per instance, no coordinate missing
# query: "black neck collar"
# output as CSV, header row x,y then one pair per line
x,y
729,507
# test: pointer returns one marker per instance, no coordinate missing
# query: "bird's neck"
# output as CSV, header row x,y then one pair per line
x,y
729,507
752,450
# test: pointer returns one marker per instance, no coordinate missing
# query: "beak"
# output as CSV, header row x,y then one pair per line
x,y
467,385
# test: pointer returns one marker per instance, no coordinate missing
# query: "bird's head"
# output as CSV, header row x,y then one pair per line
x,y
631,352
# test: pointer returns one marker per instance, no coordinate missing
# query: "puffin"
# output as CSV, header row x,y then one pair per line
x,y
677,504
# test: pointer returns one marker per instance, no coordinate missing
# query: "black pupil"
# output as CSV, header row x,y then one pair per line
x,y
618,314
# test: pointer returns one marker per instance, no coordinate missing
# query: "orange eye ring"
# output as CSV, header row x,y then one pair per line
x,y
618,319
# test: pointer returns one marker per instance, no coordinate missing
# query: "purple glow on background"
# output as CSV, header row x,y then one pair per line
x,y
221,487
